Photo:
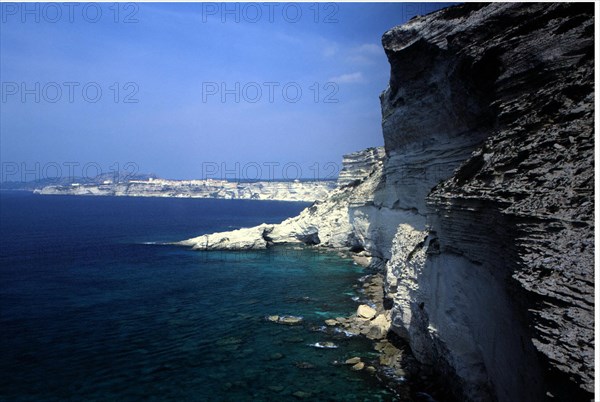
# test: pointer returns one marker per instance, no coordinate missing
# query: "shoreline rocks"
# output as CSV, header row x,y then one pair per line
x,y
326,223
395,363
376,327
352,361
481,215
366,312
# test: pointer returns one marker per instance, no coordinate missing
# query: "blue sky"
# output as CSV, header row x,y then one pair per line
x,y
189,90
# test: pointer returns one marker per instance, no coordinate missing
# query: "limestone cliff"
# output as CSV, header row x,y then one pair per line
x,y
481,214
307,191
358,165
493,280
325,223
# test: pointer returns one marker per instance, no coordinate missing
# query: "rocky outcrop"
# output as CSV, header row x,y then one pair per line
x,y
481,215
307,191
325,223
253,238
492,281
358,165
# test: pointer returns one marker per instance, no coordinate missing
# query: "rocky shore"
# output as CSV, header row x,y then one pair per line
x,y
325,223
395,366
481,215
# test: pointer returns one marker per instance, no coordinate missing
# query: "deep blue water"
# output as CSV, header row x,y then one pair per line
x,y
90,311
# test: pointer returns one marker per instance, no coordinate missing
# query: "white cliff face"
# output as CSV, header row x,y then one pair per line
x,y
481,215
358,165
456,316
306,191
484,136
326,223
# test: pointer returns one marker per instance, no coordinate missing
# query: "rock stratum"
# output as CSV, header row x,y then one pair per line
x,y
306,191
357,165
325,223
481,215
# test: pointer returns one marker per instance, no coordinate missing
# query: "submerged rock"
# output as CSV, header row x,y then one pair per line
x,y
358,366
302,394
276,356
285,319
304,365
295,339
229,341
290,320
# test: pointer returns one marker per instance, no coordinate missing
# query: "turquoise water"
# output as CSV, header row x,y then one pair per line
x,y
90,311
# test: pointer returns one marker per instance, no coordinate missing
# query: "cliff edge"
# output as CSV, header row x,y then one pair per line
x,y
481,214
488,125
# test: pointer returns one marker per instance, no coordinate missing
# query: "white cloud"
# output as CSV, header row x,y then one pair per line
x,y
369,48
365,53
330,50
351,78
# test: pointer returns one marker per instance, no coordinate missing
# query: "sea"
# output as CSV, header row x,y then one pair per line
x,y
96,305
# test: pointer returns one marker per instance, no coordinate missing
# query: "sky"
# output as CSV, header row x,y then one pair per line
x,y
191,90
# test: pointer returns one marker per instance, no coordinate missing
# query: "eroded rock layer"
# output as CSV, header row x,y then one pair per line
x,y
325,223
494,285
481,214
358,165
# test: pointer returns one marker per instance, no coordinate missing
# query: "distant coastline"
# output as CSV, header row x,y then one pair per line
x,y
355,167
296,190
